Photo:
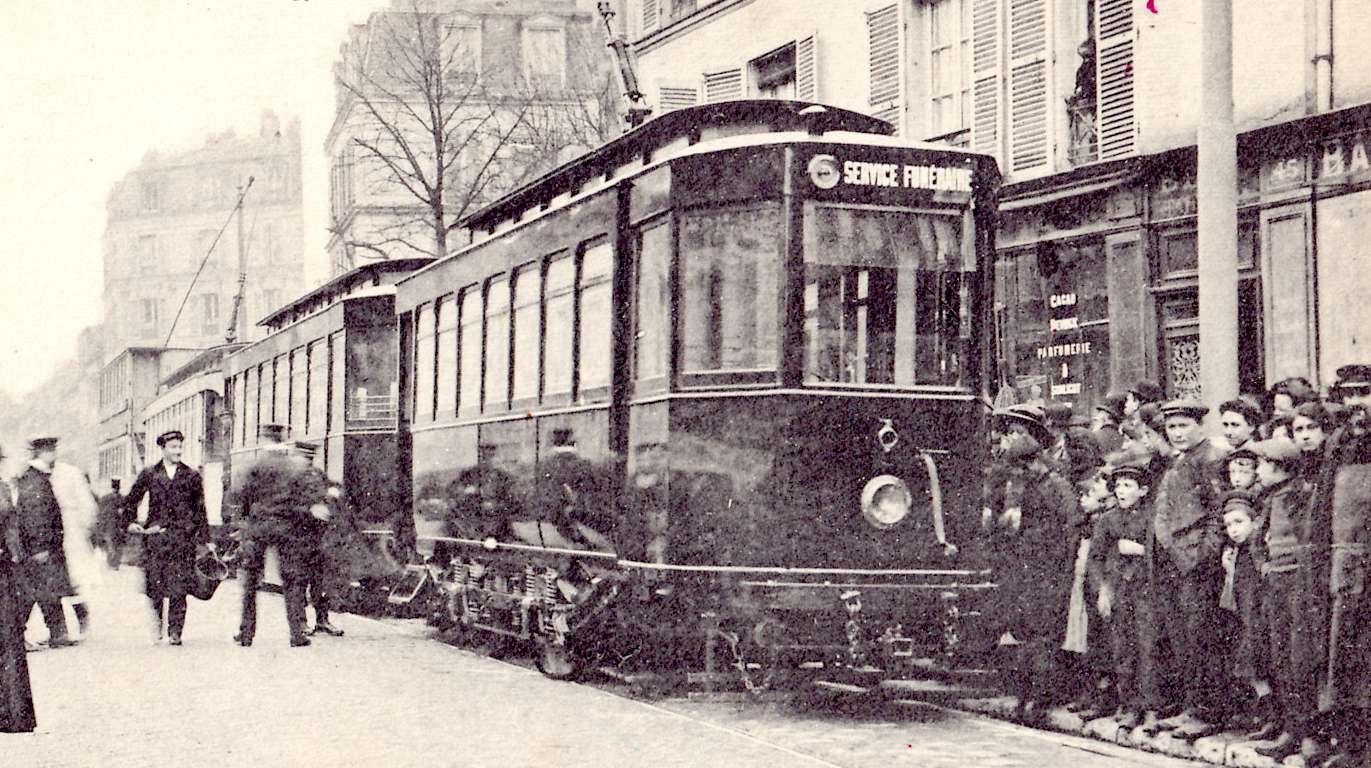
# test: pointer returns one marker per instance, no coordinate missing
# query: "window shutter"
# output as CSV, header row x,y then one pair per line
x,y
1030,120
724,85
1114,76
883,63
650,17
672,96
806,70
987,87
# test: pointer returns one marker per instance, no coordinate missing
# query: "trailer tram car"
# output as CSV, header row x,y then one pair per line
x,y
711,398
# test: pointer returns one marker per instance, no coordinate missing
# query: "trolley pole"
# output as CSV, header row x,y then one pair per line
x,y
1217,193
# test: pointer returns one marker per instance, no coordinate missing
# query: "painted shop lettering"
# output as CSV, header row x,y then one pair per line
x,y
1061,300
1345,157
1063,350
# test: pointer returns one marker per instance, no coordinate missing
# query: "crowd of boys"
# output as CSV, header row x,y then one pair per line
x,y
1193,585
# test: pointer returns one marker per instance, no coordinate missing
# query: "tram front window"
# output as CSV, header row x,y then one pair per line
x,y
886,296
729,263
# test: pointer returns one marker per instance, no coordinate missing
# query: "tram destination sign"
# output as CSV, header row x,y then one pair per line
x,y
892,176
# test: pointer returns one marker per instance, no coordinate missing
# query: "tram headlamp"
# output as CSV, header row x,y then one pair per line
x,y
886,501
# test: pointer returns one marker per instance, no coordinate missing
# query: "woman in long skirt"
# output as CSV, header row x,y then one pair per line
x,y
16,697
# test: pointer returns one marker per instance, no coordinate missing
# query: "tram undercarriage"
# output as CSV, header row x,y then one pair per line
x,y
709,628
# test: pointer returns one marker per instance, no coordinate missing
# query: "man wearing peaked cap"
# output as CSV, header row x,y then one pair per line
x,y
1185,406
41,539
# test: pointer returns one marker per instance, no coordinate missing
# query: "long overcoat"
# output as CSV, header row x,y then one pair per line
x,y
1185,527
1033,561
1348,490
16,696
40,530
177,504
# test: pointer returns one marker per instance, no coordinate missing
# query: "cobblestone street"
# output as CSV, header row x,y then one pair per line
x,y
388,694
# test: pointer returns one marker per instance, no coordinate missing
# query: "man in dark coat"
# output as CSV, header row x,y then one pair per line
x,y
276,499
1345,491
1105,421
109,524
44,568
320,570
1185,564
176,526
16,695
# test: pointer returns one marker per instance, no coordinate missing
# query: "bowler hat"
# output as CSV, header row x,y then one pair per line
x,y
1028,416
43,444
168,436
1185,406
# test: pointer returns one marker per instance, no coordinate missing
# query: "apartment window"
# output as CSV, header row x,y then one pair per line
x,y
949,66
469,363
271,244
447,356
561,318
773,75
151,196
340,184
277,177
545,55
527,290
152,312
147,255
463,49
497,343
209,312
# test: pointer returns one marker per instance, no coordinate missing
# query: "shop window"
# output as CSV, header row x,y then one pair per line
x,y
729,263
593,354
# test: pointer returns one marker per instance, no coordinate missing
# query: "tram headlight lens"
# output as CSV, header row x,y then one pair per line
x,y
886,501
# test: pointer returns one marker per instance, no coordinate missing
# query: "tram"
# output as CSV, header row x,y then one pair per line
x,y
711,397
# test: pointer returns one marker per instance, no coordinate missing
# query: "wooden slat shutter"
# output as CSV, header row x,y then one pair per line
x,y
987,89
672,96
1030,86
723,85
651,17
1114,75
883,63
806,69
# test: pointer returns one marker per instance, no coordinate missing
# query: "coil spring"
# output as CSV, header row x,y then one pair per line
x,y
531,586
549,586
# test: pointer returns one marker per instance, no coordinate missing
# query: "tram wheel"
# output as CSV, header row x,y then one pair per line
x,y
556,661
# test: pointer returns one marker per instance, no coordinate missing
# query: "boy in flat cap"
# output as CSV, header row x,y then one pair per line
x,y
1186,571
1243,522
1119,542
176,526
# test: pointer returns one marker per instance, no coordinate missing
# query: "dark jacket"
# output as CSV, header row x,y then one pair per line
x,y
174,503
275,496
1185,527
1112,527
40,518
1346,490
1034,562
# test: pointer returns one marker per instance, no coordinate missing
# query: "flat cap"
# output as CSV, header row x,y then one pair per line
x,y
1112,404
1185,406
168,436
42,444
1243,451
1280,450
1239,499
1356,375
1134,461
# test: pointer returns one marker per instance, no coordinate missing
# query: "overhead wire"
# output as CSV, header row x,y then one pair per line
x,y
205,260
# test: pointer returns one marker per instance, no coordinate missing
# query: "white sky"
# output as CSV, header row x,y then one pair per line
x,y
88,87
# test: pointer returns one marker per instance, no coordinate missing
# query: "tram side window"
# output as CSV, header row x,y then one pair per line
x,y
527,290
561,318
280,391
885,297
469,397
594,353
423,364
447,356
653,327
318,387
497,343
729,262
298,374
337,394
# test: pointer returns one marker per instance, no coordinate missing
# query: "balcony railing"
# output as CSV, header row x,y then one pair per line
x,y
1085,141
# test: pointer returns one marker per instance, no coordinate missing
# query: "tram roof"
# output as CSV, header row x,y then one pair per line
x,y
340,287
767,114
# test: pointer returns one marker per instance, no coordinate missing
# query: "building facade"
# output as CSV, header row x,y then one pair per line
x,y
524,87
127,383
1091,108
172,246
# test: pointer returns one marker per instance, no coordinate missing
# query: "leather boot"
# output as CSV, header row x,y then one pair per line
x,y
1284,746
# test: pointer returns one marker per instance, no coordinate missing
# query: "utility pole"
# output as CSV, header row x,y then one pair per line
x,y
1217,193
231,335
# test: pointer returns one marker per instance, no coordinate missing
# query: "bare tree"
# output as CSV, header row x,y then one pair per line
x,y
436,135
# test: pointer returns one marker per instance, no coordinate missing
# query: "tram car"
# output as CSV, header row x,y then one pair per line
x,y
711,397
326,370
